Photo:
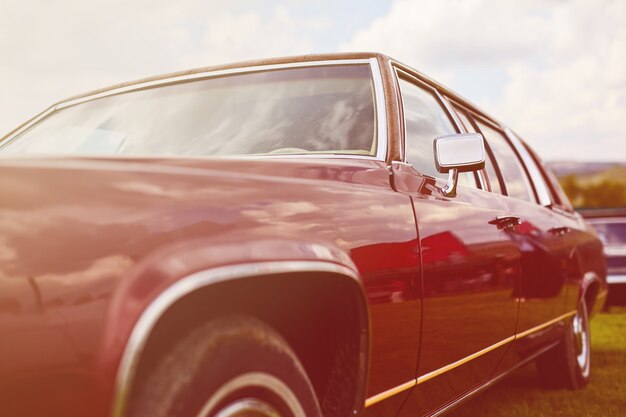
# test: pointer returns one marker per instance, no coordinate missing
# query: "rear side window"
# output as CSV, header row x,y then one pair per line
x,y
559,197
424,120
543,194
516,182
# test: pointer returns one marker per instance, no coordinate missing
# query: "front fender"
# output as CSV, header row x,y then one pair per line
x,y
170,274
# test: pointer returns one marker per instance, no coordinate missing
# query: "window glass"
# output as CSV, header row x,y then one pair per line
x,y
424,120
466,178
494,181
327,109
516,183
469,127
556,192
540,186
491,172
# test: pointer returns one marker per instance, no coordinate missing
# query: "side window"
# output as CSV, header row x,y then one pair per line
x,y
424,120
491,172
558,194
543,193
516,182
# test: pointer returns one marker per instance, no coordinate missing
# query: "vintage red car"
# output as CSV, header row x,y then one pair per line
x,y
323,235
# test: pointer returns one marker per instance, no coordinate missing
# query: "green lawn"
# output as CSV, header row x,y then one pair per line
x,y
521,395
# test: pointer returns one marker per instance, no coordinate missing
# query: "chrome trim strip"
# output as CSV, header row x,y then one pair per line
x,y
455,117
489,383
211,74
423,378
544,325
302,156
460,362
381,111
430,375
390,393
185,286
9,137
535,175
616,279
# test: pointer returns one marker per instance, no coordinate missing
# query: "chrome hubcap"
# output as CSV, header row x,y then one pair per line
x,y
581,339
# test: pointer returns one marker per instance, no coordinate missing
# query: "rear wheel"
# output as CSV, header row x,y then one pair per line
x,y
230,367
568,364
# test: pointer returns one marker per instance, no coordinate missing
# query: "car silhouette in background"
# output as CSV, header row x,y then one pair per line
x,y
611,227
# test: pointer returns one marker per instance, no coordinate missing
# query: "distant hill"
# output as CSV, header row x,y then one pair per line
x,y
563,168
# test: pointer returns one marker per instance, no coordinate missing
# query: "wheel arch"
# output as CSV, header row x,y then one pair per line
x,y
591,286
256,289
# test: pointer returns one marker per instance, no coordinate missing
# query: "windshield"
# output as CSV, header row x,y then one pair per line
x,y
326,109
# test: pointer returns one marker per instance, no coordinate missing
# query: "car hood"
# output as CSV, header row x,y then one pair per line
x,y
101,215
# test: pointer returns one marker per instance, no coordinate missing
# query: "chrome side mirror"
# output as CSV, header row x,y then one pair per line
x,y
458,153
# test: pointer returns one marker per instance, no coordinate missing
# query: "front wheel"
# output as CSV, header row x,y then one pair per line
x,y
568,364
230,367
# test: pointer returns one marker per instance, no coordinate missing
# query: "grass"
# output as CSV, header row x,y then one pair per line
x,y
520,394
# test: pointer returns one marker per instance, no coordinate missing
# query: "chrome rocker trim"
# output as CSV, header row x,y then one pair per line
x,y
430,375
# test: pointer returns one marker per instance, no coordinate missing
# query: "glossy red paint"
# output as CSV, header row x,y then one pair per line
x,y
72,305
87,244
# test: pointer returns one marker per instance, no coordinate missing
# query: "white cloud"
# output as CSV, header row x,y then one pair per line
x,y
554,71
54,49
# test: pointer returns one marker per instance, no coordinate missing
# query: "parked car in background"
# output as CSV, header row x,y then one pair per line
x,y
331,235
611,227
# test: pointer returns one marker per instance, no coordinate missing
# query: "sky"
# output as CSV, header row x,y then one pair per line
x,y
552,70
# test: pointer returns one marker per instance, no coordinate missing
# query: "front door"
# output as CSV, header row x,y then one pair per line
x,y
470,265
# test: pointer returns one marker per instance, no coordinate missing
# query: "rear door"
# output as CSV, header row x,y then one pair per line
x,y
471,267
545,253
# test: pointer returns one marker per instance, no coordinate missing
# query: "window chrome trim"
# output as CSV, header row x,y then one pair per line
x,y
185,286
381,111
455,117
543,194
209,74
9,137
379,99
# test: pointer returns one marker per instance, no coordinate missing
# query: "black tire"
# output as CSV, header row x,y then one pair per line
x,y
568,364
228,367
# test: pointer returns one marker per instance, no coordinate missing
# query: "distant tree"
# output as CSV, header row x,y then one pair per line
x,y
606,193
572,189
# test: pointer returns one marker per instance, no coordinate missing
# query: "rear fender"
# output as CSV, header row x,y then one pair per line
x,y
593,290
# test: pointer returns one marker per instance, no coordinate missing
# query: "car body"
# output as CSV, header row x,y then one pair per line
x,y
611,227
118,244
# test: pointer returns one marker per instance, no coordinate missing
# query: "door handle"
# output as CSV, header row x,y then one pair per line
x,y
506,222
559,230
